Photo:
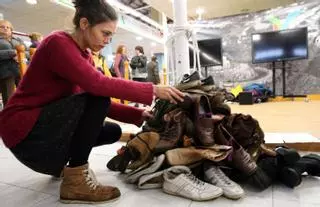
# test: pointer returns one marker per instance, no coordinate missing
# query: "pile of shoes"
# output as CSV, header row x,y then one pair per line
x,y
201,134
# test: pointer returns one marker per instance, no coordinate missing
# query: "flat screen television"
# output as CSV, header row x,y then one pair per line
x,y
280,45
210,52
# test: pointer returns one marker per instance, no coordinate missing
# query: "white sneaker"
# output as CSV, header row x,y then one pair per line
x,y
151,181
214,175
149,168
179,181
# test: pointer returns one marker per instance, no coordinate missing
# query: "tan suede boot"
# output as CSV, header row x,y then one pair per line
x,y
190,155
79,185
144,143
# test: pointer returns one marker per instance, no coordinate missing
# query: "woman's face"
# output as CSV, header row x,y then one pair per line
x,y
5,29
98,36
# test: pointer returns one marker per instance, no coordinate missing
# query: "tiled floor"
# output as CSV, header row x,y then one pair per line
x,y
20,186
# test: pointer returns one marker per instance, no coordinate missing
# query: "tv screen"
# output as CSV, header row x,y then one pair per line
x,y
210,52
280,45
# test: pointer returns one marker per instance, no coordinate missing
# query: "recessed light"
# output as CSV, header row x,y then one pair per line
x,y
139,38
32,2
199,10
153,44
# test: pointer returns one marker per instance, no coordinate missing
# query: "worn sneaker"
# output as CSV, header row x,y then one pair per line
x,y
151,181
150,168
179,181
214,175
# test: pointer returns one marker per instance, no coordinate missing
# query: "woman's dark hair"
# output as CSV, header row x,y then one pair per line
x,y
140,49
96,11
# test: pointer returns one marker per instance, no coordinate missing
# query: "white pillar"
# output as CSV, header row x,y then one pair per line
x,y
181,44
165,48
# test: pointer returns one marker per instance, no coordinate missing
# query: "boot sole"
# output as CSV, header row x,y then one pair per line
x,y
290,177
66,201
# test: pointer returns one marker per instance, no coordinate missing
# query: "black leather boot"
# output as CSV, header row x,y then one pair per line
x,y
273,166
291,175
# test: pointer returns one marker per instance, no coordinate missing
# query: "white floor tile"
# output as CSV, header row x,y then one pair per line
x,y
20,186
251,199
13,196
110,150
4,152
53,201
12,171
289,137
282,203
307,192
151,198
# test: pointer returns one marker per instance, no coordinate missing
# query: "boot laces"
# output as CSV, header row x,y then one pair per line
x,y
91,179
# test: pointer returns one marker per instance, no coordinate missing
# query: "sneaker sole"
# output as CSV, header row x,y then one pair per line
x,y
235,197
200,199
66,201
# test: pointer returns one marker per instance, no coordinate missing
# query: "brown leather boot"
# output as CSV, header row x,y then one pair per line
x,y
80,185
240,159
202,118
144,144
172,136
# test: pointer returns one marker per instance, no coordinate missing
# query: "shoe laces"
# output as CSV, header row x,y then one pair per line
x,y
91,179
222,176
195,180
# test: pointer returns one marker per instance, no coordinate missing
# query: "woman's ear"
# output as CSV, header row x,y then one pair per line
x,y
84,23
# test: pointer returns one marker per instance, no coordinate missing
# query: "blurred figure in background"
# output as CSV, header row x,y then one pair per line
x,y
120,58
35,38
153,71
101,63
138,65
9,67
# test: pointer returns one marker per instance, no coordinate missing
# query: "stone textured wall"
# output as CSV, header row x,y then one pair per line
x,y
303,76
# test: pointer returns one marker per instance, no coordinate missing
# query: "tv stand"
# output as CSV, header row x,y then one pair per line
x,y
283,68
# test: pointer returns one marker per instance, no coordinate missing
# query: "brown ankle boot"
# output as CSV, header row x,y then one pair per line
x,y
202,120
79,185
172,136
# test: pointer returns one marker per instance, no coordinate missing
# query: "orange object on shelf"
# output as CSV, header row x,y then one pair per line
x,y
21,55
126,75
32,51
164,76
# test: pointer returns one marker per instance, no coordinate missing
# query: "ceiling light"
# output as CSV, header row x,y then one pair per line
x,y
32,2
139,38
199,10
153,44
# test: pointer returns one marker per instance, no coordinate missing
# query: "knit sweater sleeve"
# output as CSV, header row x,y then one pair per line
x,y
126,114
67,60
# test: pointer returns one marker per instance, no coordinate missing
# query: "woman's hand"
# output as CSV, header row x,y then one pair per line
x,y
168,93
